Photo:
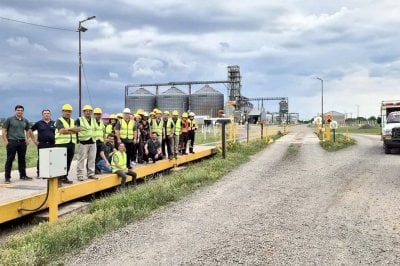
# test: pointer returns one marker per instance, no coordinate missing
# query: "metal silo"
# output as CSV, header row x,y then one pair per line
x,y
207,101
173,99
141,99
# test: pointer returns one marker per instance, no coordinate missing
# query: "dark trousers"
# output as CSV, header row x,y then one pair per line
x,y
98,150
165,143
13,148
130,152
183,139
153,157
140,152
70,154
42,145
191,135
122,174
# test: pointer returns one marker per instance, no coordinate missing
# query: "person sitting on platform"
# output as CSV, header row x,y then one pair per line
x,y
118,165
152,148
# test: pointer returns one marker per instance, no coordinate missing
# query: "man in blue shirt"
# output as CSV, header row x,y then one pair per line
x,y
45,134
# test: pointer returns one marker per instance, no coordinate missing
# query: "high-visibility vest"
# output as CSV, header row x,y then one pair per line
x,y
126,130
99,130
185,126
120,158
178,126
192,124
109,129
171,126
65,138
87,131
157,126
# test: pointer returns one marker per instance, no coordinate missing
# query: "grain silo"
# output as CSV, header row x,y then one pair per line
x,y
173,99
207,101
141,99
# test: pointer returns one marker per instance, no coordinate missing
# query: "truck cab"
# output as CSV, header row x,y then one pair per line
x,y
390,125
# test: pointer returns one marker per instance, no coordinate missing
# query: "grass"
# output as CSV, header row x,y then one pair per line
x,y
340,143
31,156
47,243
358,130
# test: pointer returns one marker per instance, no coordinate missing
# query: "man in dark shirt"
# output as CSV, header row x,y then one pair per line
x,y
152,148
16,132
106,150
45,134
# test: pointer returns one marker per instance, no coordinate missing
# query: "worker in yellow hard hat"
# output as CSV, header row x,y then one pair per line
x,y
165,143
173,132
126,133
99,134
87,144
156,124
65,136
183,137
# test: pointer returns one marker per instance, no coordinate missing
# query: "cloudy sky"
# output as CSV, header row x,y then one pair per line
x,y
280,47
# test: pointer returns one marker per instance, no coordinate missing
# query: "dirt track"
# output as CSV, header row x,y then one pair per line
x,y
303,207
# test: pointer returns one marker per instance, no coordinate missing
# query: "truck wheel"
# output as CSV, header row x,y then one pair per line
x,y
387,150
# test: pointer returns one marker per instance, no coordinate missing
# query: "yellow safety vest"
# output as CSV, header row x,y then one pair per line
x,y
126,130
120,158
157,126
192,124
87,131
109,129
178,126
99,130
65,138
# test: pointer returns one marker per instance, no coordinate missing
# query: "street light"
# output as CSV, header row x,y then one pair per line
x,y
81,29
322,99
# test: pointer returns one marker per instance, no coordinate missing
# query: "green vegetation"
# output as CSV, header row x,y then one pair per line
x,y
340,143
292,151
360,130
46,242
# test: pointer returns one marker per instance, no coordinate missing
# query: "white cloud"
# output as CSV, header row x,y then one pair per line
x,y
23,43
148,67
113,75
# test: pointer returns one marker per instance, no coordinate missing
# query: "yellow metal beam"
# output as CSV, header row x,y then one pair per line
x,y
12,210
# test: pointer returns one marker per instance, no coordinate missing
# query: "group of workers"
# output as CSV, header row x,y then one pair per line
x,y
107,143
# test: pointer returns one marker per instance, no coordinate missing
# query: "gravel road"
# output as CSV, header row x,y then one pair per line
x,y
306,206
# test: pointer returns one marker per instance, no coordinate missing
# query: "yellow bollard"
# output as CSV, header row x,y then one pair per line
x,y
347,135
53,199
327,132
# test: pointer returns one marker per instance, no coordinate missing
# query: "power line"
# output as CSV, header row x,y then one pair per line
x,y
36,25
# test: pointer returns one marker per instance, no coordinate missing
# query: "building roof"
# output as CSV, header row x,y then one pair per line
x,y
334,113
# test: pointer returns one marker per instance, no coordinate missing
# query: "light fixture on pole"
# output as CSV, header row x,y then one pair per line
x,y
81,29
322,99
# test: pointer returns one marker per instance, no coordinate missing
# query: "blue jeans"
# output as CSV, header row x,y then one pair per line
x,y
102,166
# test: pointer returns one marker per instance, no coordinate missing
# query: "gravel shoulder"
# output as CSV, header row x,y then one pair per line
x,y
307,207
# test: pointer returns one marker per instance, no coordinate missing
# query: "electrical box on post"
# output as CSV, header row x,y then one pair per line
x,y
52,162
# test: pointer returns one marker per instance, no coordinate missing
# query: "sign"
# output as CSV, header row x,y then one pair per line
x,y
333,125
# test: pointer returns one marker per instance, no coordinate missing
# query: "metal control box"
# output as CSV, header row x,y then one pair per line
x,y
52,162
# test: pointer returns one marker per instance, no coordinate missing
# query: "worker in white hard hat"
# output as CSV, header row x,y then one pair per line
x,y
184,131
192,131
125,133
87,144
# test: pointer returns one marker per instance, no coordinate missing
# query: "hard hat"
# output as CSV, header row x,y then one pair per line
x,y
158,111
105,116
154,110
152,113
97,110
87,107
175,112
166,112
113,116
192,114
67,107
185,115
120,115
126,111
145,114
140,111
